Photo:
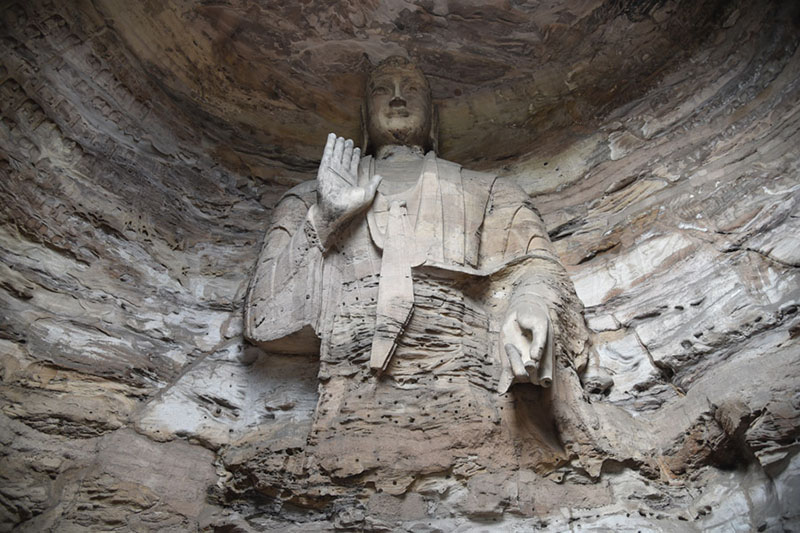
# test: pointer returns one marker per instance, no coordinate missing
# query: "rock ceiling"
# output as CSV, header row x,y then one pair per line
x,y
506,74
143,145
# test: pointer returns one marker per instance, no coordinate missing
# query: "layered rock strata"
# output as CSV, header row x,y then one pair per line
x,y
143,149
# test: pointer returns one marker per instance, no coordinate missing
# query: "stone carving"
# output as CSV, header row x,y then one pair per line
x,y
390,234
129,400
428,291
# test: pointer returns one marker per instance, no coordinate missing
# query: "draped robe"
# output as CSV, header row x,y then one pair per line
x,y
474,245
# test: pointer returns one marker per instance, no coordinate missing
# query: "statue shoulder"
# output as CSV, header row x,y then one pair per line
x,y
291,208
506,191
469,177
501,190
475,175
305,191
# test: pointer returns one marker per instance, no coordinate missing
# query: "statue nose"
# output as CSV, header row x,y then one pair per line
x,y
397,101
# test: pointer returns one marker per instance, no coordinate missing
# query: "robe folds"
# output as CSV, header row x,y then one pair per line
x,y
416,287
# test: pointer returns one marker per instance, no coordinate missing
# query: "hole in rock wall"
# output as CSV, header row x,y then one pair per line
x,y
643,219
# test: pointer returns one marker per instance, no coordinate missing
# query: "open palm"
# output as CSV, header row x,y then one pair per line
x,y
339,196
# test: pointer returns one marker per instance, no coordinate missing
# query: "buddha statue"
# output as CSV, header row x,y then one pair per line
x,y
432,295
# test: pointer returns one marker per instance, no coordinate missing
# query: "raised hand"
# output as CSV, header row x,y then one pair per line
x,y
339,197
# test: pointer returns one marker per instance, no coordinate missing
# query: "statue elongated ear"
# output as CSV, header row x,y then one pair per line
x,y
364,132
433,136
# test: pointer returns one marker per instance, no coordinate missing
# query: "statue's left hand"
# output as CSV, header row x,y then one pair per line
x,y
526,340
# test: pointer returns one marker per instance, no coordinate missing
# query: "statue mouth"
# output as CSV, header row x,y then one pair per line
x,y
398,113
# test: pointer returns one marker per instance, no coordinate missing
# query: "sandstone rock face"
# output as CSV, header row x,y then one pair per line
x,y
144,145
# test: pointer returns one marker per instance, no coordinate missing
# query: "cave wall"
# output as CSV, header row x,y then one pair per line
x,y
136,183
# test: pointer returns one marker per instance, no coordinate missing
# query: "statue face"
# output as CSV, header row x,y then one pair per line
x,y
398,108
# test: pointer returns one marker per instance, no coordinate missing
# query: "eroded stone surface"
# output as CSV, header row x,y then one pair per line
x,y
137,178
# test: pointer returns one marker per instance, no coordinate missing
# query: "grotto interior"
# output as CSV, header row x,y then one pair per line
x,y
143,146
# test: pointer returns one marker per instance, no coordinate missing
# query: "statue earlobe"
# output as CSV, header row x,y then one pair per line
x,y
433,137
364,132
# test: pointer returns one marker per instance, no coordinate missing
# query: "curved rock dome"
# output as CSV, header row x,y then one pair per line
x,y
143,145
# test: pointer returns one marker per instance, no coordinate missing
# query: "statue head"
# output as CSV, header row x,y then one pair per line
x,y
397,107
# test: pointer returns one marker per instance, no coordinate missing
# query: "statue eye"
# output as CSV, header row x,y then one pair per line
x,y
380,90
412,88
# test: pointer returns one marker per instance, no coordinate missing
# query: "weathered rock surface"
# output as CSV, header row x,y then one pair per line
x,y
143,145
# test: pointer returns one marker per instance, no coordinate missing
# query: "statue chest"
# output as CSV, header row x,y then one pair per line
x,y
435,220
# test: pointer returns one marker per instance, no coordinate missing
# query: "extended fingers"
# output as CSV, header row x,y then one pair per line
x,y
537,325
338,149
327,153
515,345
537,350
515,360
347,154
354,161
372,186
